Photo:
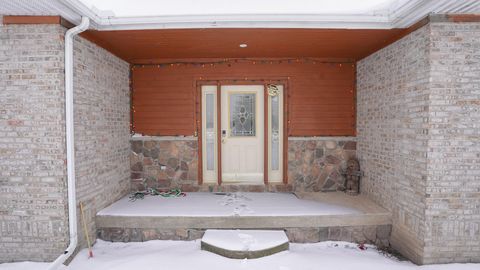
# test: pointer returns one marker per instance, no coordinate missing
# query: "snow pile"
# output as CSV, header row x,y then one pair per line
x,y
183,255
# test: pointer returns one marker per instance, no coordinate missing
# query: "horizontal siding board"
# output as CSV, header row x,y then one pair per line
x,y
163,127
340,114
162,93
298,107
324,125
319,91
163,132
161,84
338,100
155,121
321,96
324,132
318,120
161,102
161,113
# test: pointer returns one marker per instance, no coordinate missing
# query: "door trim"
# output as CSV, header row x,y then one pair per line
x,y
242,81
265,134
219,134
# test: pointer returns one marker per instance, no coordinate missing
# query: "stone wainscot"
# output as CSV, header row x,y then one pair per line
x,y
314,164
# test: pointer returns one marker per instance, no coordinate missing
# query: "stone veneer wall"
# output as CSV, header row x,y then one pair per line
x,y
314,164
367,234
179,155
33,200
418,141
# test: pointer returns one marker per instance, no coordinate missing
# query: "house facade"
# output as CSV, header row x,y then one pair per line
x,y
407,106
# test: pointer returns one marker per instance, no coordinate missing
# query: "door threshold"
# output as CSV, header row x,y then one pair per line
x,y
241,183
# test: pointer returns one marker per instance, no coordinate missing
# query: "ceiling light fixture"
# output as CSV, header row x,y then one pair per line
x,y
243,45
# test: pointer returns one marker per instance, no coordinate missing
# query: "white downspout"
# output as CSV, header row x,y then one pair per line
x,y
72,201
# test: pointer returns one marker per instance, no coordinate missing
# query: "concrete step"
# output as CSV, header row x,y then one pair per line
x,y
244,244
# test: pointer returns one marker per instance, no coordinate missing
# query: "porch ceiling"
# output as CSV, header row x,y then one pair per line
x,y
144,46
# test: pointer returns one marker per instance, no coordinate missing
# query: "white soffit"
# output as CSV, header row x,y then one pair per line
x,y
348,14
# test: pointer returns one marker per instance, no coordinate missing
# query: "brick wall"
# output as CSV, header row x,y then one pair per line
x,y
453,180
33,202
33,216
392,106
418,141
102,129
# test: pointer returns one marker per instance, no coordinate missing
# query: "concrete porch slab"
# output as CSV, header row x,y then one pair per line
x,y
347,218
274,210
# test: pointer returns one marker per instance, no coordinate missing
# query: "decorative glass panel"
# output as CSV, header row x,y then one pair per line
x,y
242,114
275,132
210,131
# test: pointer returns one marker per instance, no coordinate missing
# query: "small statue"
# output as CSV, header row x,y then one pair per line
x,y
352,177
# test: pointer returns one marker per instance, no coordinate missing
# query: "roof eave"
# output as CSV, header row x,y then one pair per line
x,y
399,15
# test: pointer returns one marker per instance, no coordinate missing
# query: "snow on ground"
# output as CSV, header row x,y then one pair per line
x,y
228,204
186,255
23,266
245,240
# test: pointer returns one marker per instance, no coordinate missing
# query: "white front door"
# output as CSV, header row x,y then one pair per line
x,y
242,133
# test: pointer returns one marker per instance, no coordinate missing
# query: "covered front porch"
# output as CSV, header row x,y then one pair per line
x,y
256,125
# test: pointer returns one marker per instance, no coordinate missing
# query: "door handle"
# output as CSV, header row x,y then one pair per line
x,y
224,135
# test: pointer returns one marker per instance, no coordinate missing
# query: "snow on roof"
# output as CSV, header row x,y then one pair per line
x,y
128,8
154,14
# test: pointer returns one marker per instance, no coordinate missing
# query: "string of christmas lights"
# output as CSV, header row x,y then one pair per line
x,y
230,61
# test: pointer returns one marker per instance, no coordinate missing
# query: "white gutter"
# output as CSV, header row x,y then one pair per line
x,y
72,201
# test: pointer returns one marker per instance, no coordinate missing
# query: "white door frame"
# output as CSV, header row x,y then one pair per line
x,y
271,175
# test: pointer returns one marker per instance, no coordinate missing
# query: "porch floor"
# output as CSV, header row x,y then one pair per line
x,y
205,204
244,210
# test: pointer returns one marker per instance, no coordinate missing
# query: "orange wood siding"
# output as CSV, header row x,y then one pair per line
x,y
321,95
